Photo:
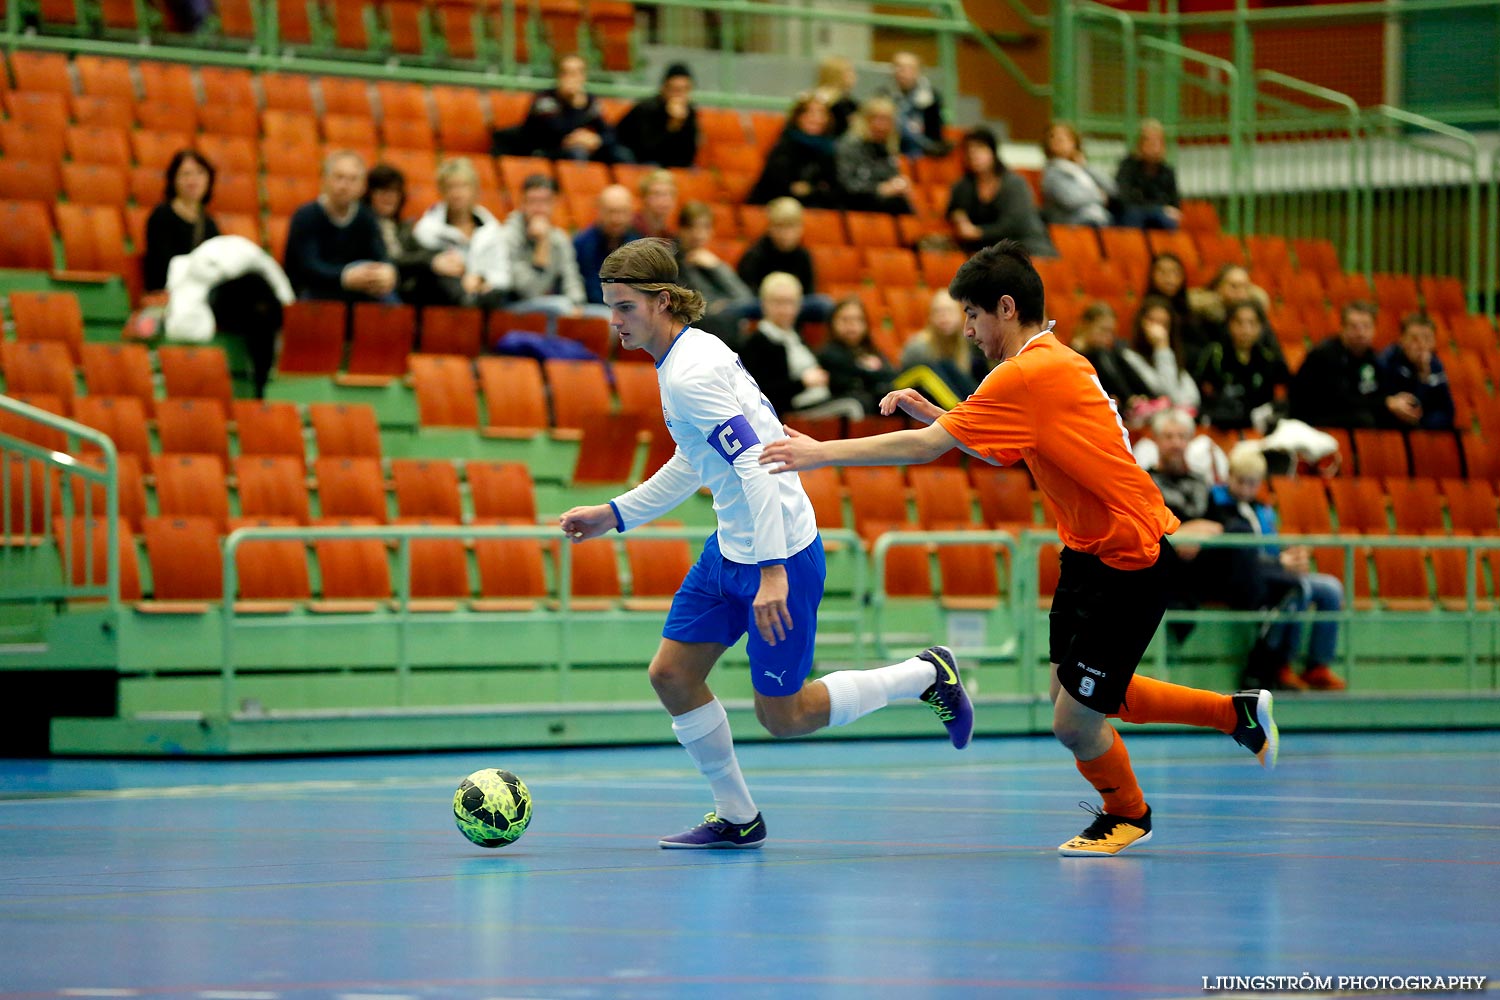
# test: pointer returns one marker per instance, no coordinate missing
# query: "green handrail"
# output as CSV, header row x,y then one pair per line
x,y
231,619
1353,249
997,539
69,468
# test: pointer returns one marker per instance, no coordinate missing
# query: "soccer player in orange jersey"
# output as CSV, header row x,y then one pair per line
x,y
1042,404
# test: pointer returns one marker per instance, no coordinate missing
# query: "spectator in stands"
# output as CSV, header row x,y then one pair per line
x,y
1203,574
543,271
835,88
1230,286
728,298
918,108
1147,184
802,164
1287,581
658,214
781,249
1126,376
869,167
855,367
1241,378
450,229
785,368
1412,378
1073,192
1154,338
565,123
1338,384
611,230
334,249
1167,278
941,350
990,203
663,129
420,272
181,221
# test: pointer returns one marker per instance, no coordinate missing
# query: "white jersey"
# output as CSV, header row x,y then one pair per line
x,y
719,419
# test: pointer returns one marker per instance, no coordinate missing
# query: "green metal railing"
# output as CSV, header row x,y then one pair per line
x,y
1018,606
38,483
560,615
496,63
1394,190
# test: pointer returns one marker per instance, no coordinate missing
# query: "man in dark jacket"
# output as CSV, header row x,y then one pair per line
x,y
663,129
334,249
1338,384
1413,379
564,123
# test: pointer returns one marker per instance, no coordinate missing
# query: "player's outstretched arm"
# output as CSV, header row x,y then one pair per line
x,y
912,403
582,523
798,453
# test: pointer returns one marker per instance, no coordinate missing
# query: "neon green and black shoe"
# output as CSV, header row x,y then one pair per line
x,y
1255,727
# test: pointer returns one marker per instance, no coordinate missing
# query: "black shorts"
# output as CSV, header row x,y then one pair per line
x,y
1102,620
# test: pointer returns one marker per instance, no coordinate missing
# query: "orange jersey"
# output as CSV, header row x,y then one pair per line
x,y
1045,407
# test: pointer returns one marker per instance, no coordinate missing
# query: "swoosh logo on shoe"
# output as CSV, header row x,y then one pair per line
x,y
952,677
745,830
1250,719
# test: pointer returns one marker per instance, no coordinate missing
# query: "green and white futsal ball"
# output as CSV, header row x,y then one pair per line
x,y
492,807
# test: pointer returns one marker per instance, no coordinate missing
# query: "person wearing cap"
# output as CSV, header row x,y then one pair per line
x,y
760,573
663,129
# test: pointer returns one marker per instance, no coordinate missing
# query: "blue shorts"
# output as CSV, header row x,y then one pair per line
x,y
716,604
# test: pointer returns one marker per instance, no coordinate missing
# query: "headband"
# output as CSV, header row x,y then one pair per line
x,y
635,281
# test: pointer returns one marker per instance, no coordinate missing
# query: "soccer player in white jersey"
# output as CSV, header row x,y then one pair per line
x,y
762,572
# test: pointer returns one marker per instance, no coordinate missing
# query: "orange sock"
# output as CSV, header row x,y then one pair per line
x,y
1148,700
1111,775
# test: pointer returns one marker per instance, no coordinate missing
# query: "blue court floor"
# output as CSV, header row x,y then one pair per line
x,y
894,869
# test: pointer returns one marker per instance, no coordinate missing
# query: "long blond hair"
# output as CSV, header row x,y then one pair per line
x,y
650,265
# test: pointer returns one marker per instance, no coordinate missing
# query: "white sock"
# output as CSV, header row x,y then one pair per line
x,y
704,734
853,694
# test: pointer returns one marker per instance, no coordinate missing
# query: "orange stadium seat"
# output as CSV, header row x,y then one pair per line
x,y
352,573
232,154
34,142
196,373
273,486
350,487
512,575
460,117
83,546
188,426
93,238
501,491
101,144
97,109
426,488
346,96
103,75
165,116
383,335
268,428
227,85
446,394
155,148
452,330
29,180
120,369
40,109
49,316
25,235
186,564
192,486
41,71
345,430
120,418
269,573
96,185
288,91
515,396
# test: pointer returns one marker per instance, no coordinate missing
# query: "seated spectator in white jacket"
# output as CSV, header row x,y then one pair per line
x,y
449,229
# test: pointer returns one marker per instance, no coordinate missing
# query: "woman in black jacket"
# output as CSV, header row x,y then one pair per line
x,y
990,203
855,368
181,221
801,164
